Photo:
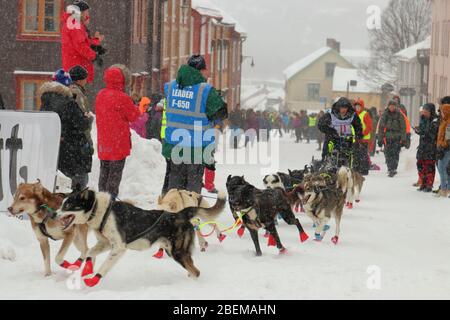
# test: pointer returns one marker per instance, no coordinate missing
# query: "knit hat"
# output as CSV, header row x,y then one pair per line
x,y
78,73
143,104
197,62
62,77
83,5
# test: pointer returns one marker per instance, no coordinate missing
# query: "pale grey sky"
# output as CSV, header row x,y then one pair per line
x,y
282,31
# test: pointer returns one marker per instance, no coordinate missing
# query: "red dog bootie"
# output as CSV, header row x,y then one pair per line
x,y
335,240
88,268
241,231
92,282
271,242
349,205
159,254
221,237
72,266
303,236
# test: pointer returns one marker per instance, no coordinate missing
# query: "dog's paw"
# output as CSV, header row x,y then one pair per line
x,y
88,268
222,237
159,254
283,251
318,237
303,236
92,282
335,240
241,231
258,254
48,274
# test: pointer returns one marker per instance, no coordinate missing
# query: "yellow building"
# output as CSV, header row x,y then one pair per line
x,y
309,82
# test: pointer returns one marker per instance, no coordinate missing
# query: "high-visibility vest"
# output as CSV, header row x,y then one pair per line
x,y
164,121
187,122
312,121
362,115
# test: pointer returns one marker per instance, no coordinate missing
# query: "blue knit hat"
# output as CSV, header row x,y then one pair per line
x,y
62,77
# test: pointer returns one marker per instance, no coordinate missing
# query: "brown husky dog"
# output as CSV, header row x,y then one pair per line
x,y
41,205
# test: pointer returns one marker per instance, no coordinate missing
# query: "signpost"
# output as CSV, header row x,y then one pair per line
x,y
29,147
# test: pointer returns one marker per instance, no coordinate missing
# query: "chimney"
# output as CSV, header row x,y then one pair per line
x,y
333,44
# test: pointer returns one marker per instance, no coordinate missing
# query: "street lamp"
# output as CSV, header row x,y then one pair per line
x,y
248,57
351,83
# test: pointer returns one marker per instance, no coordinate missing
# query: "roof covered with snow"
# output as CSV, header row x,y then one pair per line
x,y
411,52
343,75
305,62
356,56
209,8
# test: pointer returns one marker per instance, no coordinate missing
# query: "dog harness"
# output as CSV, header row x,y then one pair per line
x,y
41,225
105,216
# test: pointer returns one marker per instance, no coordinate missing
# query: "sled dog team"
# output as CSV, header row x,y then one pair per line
x,y
119,225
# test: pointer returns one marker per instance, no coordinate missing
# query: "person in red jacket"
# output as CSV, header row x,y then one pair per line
x,y
115,111
78,48
361,147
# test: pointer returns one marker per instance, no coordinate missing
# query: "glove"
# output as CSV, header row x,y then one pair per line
x,y
407,143
99,49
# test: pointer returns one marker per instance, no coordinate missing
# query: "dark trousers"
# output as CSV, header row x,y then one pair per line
x,y
298,134
111,176
361,158
186,177
427,172
166,178
392,153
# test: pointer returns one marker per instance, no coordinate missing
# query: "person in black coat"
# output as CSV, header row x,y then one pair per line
x,y
155,112
75,154
426,152
2,104
341,127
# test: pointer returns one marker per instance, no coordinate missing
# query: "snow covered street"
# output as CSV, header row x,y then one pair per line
x,y
395,235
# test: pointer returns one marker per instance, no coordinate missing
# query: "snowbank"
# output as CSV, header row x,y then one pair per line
x,y
144,172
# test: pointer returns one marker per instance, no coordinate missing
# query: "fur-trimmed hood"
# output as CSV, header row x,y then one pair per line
x,y
55,87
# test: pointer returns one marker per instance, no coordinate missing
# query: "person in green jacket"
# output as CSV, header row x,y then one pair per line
x,y
190,100
392,134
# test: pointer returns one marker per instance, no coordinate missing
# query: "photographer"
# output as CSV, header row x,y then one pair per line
x,y
78,48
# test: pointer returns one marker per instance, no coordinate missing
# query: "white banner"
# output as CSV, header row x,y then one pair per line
x,y
29,147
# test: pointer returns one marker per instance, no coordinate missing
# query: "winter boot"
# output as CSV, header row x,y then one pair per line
x,y
210,176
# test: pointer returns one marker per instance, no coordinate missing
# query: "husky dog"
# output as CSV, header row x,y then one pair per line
x,y
41,205
177,200
286,181
260,208
120,226
354,182
323,196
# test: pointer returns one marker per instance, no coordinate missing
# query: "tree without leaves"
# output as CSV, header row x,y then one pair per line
x,y
403,24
